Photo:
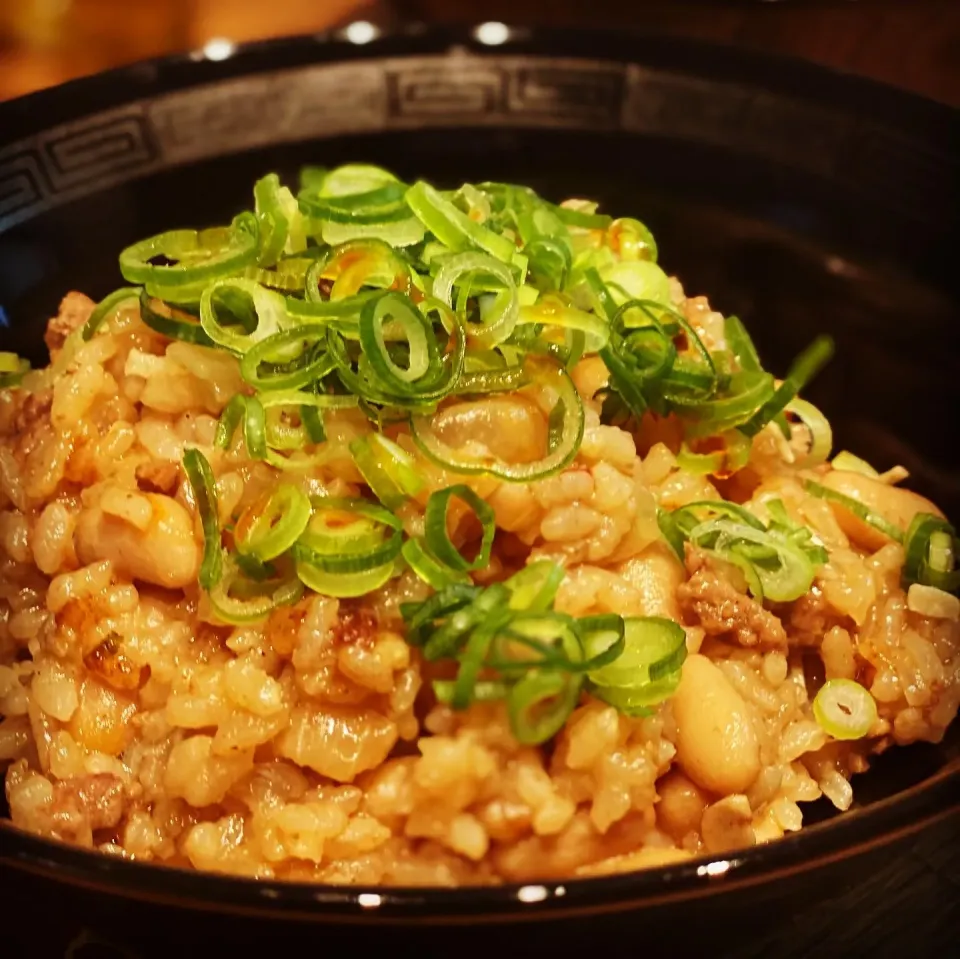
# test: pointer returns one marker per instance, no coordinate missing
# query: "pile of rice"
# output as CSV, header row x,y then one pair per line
x,y
310,747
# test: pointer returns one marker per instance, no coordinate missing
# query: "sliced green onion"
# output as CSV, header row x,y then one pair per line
x,y
107,307
466,269
821,435
632,239
539,704
346,180
802,536
294,358
280,221
564,436
932,548
739,343
637,280
382,204
387,469
273,524
784,570
240,599
447,639
603,640
289,275
435,526
581,218
473,657
534,587
433,573
747,393
484,691
280,433
693,514
729,459
406,232
857,508
343,585
423,360
420,616
548,639
348,536
551,310
357,264
191,256
454,228
204,488
655,648
268,313
249,411
805,367
174,328
671,532
844,709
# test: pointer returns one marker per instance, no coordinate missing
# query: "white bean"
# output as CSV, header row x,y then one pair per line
x,y
717,745
895,504
728,824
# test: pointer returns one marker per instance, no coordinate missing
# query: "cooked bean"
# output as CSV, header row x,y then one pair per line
x,y
681,805
717,745
896,505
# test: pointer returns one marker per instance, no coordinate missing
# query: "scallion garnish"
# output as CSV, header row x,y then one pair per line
x,y
844,709
270,526
931,553
204,487
858,509
779,561
424,310
438,539
509,643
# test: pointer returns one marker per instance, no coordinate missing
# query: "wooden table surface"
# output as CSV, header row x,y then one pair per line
x,y
914,44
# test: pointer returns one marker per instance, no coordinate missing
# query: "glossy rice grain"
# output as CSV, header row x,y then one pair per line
x,y
310,747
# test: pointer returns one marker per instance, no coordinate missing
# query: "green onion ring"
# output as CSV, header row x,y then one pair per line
x,y
107,307
567,420
248,410
844,709
804,368
204,487
435,526
488,333
267,529
932,548
174,328
203,255
290,372
539,704
257,598
268,308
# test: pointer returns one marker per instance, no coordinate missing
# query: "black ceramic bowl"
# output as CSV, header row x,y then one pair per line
x,y
802,200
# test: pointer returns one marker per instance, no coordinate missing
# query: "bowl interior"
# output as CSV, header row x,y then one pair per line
x,y
794,243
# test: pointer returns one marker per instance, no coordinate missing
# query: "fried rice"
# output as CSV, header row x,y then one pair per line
x,y
311,745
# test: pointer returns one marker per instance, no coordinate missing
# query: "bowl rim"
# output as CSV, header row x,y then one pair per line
x,y
857,831
38,110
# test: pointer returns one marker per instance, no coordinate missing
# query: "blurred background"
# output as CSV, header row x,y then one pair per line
x,y
914,44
